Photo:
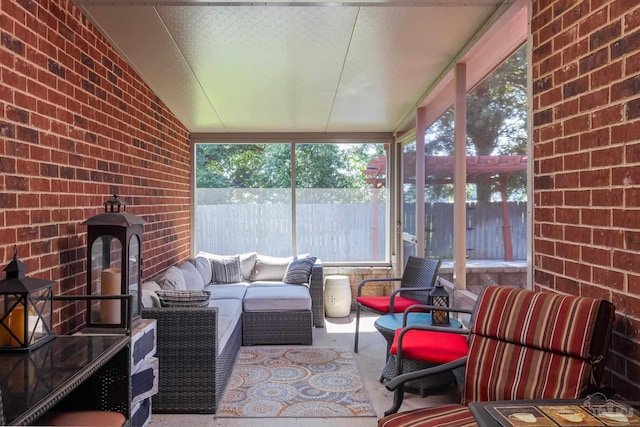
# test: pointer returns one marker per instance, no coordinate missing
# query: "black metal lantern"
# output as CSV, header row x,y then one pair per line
x,y
26,321
439,298
114,266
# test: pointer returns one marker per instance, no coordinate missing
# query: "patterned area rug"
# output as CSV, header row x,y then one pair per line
x,y
295,382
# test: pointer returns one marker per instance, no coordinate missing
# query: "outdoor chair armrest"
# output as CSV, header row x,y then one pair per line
x,y
424,307
397,383
422,373
380,279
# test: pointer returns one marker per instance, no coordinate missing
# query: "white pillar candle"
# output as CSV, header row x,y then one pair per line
x,y
110,309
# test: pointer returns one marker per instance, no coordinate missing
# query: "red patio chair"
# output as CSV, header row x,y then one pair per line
x,y
523,345
417,281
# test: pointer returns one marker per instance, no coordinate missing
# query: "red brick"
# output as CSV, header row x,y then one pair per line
x,y
626,218
577,197
596,256
567,180
608,197
576,125
567,215
610,115
595,138
595,178
593,100
632,197
607,157
591,23
578,234
551,198
596,217
576,161
610,238
578,270
550,165
566,285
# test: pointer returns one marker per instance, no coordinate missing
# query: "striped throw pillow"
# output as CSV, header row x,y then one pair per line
x,y
226,269
299,271
183,298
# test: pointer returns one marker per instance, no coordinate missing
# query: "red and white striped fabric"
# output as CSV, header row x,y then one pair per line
x,y
525,345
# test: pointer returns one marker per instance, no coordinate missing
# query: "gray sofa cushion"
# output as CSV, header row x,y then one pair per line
x,y
203,266
192,279
277,298
228,291
229,312
172,278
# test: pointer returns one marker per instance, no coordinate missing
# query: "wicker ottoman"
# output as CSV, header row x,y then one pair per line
x,y
277,315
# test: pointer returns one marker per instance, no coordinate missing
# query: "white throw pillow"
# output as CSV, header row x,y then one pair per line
x,y
247,263
270,268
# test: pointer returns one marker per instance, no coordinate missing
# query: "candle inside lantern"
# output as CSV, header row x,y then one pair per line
x,y
110,309
17,325
5,336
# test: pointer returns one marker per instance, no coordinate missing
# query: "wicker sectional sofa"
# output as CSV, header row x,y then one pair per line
x,y
203,320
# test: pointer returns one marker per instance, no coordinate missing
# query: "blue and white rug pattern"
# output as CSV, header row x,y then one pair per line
x,y
295,382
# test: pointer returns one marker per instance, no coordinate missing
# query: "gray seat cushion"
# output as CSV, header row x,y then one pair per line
x,y
229,313
230,291
277,298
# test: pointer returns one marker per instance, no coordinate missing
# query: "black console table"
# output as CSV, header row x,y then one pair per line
x,y
70,372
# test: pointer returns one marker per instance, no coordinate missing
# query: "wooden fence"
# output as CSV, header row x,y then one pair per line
x,y
343,232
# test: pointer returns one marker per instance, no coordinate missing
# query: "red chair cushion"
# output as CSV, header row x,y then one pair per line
x,y
439,416
382,304
429,346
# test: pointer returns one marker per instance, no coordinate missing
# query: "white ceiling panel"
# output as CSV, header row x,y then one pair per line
x,y
291,67
395,53
143,40
266,68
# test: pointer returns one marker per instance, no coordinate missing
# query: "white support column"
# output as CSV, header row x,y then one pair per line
x,y
421,120
460,179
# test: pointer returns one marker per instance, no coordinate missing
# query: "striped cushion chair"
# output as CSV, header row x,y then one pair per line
x,y
523,345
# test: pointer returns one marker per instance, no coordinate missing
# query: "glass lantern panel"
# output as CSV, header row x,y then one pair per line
x,y
40,314
106,279
134,275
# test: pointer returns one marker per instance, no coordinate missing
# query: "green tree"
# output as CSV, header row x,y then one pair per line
x,y
269,165
496,121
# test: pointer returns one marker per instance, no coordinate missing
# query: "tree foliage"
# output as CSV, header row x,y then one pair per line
x,y
496,121
269,165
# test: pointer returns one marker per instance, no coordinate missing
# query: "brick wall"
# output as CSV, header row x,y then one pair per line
x,y
586,135
77,125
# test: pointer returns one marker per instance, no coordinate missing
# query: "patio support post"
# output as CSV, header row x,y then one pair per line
x,y
506,224
459,178
421,121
